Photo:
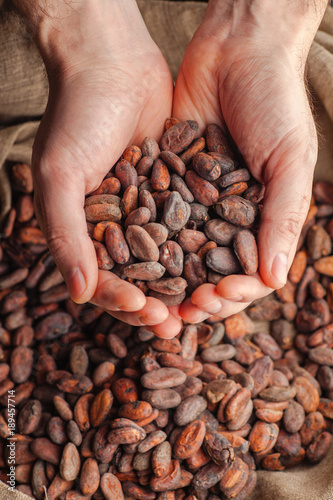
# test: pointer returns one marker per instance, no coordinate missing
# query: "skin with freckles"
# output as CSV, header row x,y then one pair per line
x,y
111,87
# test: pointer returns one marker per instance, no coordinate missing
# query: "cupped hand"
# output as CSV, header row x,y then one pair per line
x,y
244,70
104,95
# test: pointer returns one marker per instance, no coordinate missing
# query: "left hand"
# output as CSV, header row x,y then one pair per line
x,y
244,70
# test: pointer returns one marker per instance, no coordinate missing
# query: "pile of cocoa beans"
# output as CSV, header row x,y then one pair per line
x,y
173,216
103,410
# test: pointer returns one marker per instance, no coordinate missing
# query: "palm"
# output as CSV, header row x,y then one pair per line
x,y
263,103
90,119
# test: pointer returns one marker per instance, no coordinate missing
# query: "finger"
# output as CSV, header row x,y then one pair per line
x,y
59,204
235,288
190,313
207,299
153,313
114,294
169,328
286,203
174,310
196,95
229,308
241,288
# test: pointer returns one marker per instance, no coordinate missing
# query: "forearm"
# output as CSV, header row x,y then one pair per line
x,y
286,22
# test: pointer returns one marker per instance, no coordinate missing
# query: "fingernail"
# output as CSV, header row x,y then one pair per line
x,y
77,283
234,298
279,268
144,321
202,318
212,307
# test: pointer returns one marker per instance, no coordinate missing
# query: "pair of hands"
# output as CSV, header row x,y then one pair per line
x,y
110,87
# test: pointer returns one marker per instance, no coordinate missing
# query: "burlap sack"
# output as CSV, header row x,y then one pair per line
x,y
23,95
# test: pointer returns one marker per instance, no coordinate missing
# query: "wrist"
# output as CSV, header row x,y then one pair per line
x,y
283,26
72,33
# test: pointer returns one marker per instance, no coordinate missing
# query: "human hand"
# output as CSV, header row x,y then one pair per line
x,y
244,70
109,87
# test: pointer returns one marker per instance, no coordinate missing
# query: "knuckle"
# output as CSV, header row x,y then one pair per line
x,y
289,227
58,241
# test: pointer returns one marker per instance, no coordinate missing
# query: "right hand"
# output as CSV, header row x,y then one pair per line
x,y
109,87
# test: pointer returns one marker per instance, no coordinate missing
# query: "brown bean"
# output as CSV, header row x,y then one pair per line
x,y
154,439
277,394
161,459
206,167
157,232
203,191
222,260
39,481
190,387
174,162
116,243
136,410
172,258
321,355
70,463
319,448
56,430
189,440
108,186
147,271
100,407
235,478
326,407
160,177
210,475
236,210
21,364
149,147
169,286
217,140
293,417
218,353
306,394
245,248
219,447
111,487
125,390
58,487
163,378
162,399
178,137
239,409
289,445
89,477
29,417
189,409
141,244
176,212
195,271
168,482
102,212
44,449
134,490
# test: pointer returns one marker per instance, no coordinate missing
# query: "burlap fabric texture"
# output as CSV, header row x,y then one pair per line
x,y
23,96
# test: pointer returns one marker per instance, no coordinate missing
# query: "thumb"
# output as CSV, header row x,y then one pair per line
x,y
60,212
288,182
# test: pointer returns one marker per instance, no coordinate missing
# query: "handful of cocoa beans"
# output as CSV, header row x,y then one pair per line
x,y
103,410
173,216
